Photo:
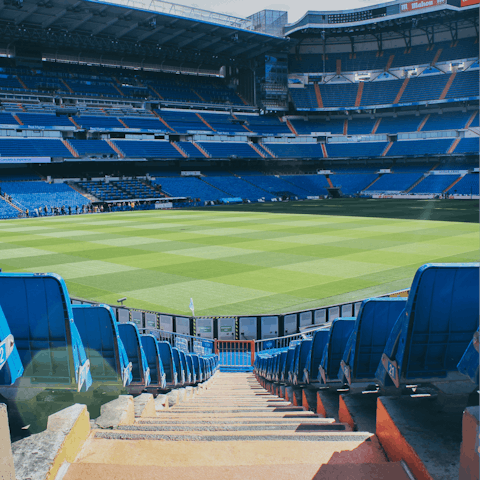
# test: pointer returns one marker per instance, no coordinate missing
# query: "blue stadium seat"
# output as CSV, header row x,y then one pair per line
x,y
288,362
291,367
320,339
186,367
154,360
168,363
281,365
196,366
431,335
191,367
130,337
104,348
11,366
38,311
340,331
468,364
365,345
181,375
305,349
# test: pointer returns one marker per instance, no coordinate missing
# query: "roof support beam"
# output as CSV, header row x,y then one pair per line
x,y
101,28
25,15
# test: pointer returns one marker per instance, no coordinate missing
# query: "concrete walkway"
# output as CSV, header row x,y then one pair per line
x,y
234,430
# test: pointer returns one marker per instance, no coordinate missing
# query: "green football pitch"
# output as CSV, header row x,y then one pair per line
x,y
235,261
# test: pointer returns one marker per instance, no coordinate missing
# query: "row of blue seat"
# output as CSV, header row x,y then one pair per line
x,y
54,344
430,338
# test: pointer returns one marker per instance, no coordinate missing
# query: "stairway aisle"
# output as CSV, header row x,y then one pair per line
x,y
233,430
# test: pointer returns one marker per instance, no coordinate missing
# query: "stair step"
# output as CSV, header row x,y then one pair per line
x,y
257,436
392,471
297,427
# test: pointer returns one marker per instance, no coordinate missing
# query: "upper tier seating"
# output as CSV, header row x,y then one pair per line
x,y
265,125
44,120
11,366
150,123
92,147
304,97
420,147
424,88
350,149
45,347
334,126
229,149
97,122
223,124
33,195
447,121
29,147
370,60
147,148
184,121
168,363
339,334
154,361
190,149
467,145
104,348
366,343
465,84
338,94
296,150
431,335
130,337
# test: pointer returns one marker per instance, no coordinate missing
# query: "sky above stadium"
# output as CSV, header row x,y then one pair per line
x,y
295,8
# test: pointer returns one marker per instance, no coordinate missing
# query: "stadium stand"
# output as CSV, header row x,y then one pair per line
x,y
32,195
394,182
434,184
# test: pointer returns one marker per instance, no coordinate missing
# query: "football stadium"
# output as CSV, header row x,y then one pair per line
x,y
239,248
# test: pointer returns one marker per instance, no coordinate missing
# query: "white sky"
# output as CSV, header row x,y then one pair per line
x,y
295,8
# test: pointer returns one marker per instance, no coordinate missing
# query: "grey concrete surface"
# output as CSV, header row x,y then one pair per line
x,y
116,412
7,469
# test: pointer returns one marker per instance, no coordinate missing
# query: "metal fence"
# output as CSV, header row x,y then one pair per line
x,y
187,343
235,353
284,342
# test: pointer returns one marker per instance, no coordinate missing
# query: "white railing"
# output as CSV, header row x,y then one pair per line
x,y
284,342
183,11
187,343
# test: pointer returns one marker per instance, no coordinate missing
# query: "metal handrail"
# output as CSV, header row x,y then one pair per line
x,y
284,342
188,343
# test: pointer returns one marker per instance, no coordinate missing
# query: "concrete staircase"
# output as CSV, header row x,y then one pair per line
x,y
234,430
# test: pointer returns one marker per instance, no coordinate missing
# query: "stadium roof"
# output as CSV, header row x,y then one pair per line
x,y
148,27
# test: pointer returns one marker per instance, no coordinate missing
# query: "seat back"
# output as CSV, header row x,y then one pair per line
x,y
288,362
320,339
152,354
98,330
340,331
178,365
168,362
469,362
185,366
305,349
133,346
431,335
191,367
11,366
196,364
39,314
365,346
281,367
